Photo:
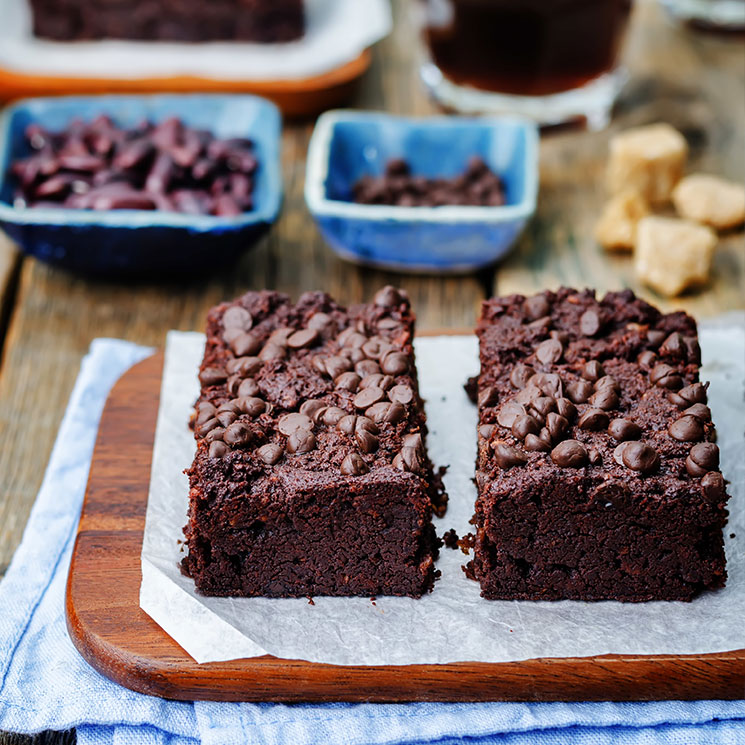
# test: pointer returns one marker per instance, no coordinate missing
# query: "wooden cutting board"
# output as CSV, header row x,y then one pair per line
x,y
117,638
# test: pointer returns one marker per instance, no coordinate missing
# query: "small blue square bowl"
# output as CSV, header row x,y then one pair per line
x,y
138,243
450,239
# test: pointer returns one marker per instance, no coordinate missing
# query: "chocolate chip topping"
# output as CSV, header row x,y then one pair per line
x,y
271,351
488,396
245,343
569,454
686,429
347,381
536,444
409,459
536,307
247,387
507,456
353,465
291,423
365,368
270,453
509,412
704,457
700,411
520,375
301,441
212,376
566,408
647,359
624,429
237,434
386,412
556,425
665,376
604,398
592,371
638,456
331,415
243,366
388,297
713,485
402,394
395,363
694,393
593,420
543,405
655,337
589,322
579,391
525,425
336,365
549,352
237,317
218,449
367,397
303,338
367,441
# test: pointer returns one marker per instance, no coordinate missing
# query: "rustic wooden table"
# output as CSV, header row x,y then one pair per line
x,y
694,81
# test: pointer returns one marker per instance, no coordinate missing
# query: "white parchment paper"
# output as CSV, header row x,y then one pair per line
x,y
337,32
453,623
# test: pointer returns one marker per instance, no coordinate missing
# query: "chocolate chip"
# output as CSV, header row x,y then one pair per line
x,y
589,323
353,465
673,346
270,453
528,394
556,426
594,456
509,412
347,381
367,397
395,363
543,405
540,326
520,375
686,429
251,405
377,380
367,441
347,424
638,456
375,348
607,381
536,307
237,434
245,343
693,349
536,444
386,412
525,425
291,423
364,422
549,384
488,396
694,393
549,352
647,359
351,338
713,485
218,433
700,411
592,371
226,417
207,425
402,394
409,459
247,387
703,457
367,367
388,297
205,412
604,398
218,449
237,317
280,336
244,366
507,456
331,415
336,365
303,339
232,405
320,321
655,337
301,441
487,431
579,391
569,454
665,376
212,376
593,420
566,408
624,429
311,407
414,440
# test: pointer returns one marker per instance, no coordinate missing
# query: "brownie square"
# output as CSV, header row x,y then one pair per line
x,y
598,475
311,475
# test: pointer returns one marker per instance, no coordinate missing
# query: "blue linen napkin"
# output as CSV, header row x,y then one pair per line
x,y
45,684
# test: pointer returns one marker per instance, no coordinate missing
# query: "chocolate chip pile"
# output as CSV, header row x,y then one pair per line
x,y
476,186
167,166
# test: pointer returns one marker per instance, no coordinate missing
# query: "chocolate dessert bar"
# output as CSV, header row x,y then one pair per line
x,y
169,20
598,473
311,474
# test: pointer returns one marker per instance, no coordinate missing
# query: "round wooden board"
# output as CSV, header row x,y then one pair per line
x,y
295,98
117,638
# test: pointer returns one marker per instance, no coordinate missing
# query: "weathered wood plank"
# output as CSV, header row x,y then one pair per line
x,y
697,83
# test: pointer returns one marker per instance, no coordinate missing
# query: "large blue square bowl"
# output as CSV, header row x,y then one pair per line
x,y
347,145
138,243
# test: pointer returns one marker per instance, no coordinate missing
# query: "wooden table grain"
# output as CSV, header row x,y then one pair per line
x,y
48,318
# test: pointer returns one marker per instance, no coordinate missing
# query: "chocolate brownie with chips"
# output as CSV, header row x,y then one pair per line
x,y
598,473
311,475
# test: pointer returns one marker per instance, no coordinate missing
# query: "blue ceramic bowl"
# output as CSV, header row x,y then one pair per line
x,y
346,145
139,243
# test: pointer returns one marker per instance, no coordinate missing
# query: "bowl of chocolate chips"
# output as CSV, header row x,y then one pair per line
x,y
139,186
437,195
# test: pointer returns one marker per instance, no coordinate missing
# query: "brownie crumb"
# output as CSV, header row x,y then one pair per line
x,y
471,387
450,538
467,543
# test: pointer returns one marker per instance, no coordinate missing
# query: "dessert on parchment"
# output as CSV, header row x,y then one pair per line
x,y
598,472
311,475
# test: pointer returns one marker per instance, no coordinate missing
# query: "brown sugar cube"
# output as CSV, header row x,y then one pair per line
x,y
711,200
616,228
672,254
648,159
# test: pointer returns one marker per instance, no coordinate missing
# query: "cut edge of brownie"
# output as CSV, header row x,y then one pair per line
x,y
597,472
311,475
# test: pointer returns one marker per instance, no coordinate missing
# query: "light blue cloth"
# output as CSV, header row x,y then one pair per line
x,y
45,684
